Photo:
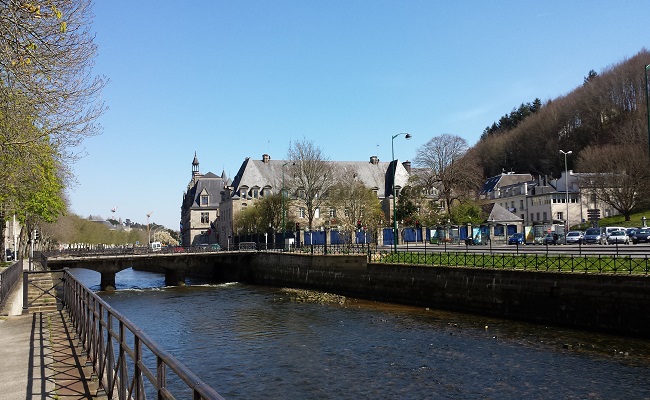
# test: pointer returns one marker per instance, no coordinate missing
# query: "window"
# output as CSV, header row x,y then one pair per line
x,y
204,200
301,212
544,215
205,218
317,212
332,213
560,215
256,193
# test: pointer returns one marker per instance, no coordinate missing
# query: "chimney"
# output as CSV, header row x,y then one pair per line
x,y
266,158
374,160
407,166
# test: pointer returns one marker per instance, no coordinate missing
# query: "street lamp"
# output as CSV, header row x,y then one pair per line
x,y
566,185
647,102
392,148
148,232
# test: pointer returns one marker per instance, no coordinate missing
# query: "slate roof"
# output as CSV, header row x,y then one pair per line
x,y
258,173
504,180
212,185
496,213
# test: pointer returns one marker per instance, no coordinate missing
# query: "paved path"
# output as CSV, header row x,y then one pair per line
x,y
40,358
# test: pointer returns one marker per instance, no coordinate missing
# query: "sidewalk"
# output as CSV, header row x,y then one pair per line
x,y
40,357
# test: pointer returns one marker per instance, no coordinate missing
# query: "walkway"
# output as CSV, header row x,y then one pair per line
x,y
40,357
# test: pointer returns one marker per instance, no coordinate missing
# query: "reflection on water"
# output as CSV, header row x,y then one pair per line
x,y
255,342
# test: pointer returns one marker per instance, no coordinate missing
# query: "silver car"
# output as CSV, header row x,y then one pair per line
x,y
593,235
618,237
575,237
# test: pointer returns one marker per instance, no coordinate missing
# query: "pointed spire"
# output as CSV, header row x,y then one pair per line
x,y
195,165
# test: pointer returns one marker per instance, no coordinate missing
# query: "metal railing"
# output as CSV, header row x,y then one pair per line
x,y
127,362
595,264
8,278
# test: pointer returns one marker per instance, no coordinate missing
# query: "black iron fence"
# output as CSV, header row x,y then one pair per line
x,y
598,264
128,364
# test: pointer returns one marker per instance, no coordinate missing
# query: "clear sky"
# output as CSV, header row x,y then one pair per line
x,y
236,79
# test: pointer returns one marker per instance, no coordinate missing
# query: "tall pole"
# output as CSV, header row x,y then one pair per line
x,y
566,186
647,102
148,231
392,148
284,225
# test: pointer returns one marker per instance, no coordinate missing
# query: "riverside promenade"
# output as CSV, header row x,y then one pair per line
x,y
39,355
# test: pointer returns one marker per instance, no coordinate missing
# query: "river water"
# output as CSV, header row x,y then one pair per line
x,y
252,342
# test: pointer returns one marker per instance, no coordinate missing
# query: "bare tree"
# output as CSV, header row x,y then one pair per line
x,y
617,174
353,201
311,176
446,169
46,57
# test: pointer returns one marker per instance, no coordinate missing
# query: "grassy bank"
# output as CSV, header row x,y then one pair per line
x,y
530,262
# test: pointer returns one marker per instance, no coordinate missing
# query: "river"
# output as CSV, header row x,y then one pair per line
x,y
253,342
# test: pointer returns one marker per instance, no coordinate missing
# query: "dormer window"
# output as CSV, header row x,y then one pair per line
x,y
205,199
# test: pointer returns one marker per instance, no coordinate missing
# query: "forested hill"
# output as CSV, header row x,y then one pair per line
x,y
608,109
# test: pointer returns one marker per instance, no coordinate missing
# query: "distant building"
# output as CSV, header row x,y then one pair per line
x,y
259,178
542,200
200,207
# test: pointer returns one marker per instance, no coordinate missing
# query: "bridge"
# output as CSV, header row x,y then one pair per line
x,y
175,266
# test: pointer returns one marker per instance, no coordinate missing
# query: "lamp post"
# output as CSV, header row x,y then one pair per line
x,y
566,185
392,148
149,232
647,102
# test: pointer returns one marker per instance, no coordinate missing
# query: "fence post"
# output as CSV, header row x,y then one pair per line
x,y
25,291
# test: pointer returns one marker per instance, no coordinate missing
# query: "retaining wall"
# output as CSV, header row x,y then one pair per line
x,y
608,303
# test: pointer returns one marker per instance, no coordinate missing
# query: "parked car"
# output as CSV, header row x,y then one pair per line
x,y
575,237
593,236
553,238
618,237
641,236
517,238
10,255
610,229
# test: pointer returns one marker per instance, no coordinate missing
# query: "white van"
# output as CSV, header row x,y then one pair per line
x,y
155,246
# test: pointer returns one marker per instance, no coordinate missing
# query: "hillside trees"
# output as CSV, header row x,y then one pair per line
x,y
510,121
608,108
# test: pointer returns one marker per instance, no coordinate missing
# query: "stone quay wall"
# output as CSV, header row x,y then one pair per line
x,y
608,303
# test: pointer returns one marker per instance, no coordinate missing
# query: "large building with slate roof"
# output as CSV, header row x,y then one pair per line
x,y
263,177
200,207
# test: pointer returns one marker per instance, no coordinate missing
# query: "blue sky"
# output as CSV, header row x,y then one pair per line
x,y
236,79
